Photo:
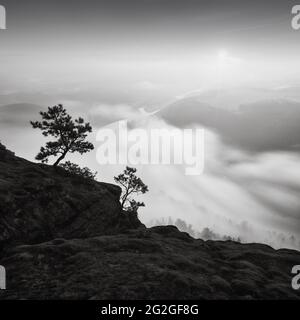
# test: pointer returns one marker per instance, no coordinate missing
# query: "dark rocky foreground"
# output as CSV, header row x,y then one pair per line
x,y
62,237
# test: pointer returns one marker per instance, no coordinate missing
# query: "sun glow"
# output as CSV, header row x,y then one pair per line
x,y
228,67
223,54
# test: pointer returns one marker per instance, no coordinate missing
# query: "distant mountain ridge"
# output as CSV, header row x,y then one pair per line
x,y
18,113
259,126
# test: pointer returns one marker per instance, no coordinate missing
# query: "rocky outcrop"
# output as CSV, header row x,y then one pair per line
x,y
40,203
156,263
64,237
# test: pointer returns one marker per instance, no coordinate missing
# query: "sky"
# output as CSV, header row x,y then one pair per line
x,y
131,42
104,60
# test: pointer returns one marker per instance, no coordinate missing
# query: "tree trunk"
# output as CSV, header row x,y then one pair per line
x,y
59,159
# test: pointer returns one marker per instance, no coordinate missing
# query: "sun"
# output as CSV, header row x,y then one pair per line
x,y
222,54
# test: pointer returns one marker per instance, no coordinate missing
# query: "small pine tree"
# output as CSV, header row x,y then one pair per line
x,y
70,135
130,184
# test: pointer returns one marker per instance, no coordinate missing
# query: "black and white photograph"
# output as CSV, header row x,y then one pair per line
x,y
149,150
